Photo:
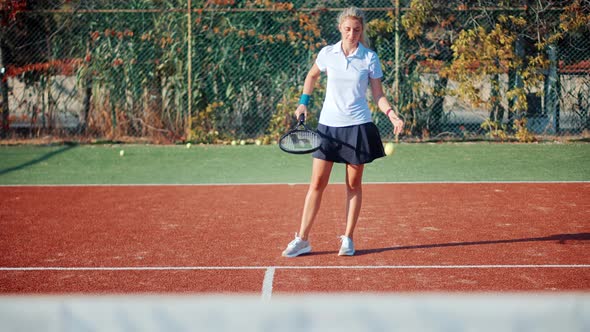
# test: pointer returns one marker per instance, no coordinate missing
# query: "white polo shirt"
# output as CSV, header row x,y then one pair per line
x,y
345,103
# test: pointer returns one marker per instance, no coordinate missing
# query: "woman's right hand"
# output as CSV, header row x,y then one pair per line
x,y
301,109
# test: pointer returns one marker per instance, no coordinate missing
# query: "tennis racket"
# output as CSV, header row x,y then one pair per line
x,y
300,139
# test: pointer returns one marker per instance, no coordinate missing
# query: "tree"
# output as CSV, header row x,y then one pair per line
x,y
490,43
8,13
430,27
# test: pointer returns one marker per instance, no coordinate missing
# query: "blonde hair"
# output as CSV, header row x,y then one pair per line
x,y
357,14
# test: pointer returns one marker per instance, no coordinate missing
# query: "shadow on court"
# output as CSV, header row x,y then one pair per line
x,y
35,161
559,238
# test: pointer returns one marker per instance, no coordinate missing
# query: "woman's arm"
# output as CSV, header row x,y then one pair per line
x,y
310,80
384,106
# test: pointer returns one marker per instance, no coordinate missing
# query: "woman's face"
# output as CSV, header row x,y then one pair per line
x,y
351,30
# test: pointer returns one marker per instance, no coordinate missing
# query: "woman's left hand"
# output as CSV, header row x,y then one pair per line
x,y
398,124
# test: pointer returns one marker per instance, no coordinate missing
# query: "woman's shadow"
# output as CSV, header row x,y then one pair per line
x,y
559,238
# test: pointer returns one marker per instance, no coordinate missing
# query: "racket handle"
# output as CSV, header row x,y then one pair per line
x,y
301,118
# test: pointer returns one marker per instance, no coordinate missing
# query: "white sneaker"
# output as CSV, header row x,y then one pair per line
x,y
347,247
297,247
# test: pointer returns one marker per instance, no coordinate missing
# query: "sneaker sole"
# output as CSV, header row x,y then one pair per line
x,y
346,253
300,252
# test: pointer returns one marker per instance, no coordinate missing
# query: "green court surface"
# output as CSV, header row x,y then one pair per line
x,y
152,164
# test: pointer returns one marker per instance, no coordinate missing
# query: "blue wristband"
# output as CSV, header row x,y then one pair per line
x,y
304,99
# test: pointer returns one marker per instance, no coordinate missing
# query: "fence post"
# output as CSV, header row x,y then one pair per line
x,y
4,125
189,68
396,94
552,91
515,80
83,127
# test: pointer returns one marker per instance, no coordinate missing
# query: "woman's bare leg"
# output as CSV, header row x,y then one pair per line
x,y
320,176
354,196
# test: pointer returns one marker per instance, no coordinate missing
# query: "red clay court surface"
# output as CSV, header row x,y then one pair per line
x,y
440,237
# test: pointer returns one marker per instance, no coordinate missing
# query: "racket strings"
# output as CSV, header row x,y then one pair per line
x,y
301,141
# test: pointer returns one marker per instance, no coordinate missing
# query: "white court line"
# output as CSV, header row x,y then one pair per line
x,y
287,183
294,267
269,276
267,283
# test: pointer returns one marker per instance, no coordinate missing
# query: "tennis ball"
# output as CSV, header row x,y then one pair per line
x,y
258,142
234,142
188,145
242,142
122,153
389,149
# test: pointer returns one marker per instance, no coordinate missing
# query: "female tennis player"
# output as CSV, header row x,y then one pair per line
x,y
348,133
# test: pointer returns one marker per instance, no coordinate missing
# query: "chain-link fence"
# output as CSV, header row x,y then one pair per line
x,y
220,70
